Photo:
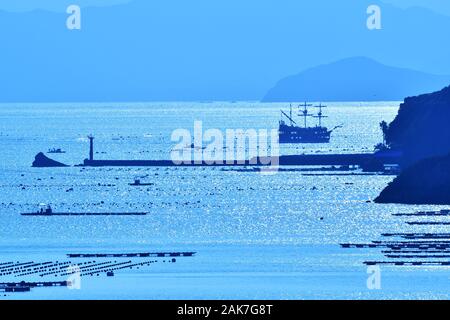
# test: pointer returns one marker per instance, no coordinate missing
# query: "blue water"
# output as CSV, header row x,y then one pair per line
x,y
256,236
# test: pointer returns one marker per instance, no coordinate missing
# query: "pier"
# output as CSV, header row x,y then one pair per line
x,y
367,161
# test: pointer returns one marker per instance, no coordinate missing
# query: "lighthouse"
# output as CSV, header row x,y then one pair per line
x,y
91,147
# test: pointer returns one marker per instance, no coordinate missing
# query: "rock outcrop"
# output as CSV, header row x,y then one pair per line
x,y
426,182
42,161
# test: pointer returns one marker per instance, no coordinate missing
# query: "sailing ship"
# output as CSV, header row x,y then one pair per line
x,y
291,132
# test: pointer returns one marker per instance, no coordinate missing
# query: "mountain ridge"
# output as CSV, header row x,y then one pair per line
x,y
354,79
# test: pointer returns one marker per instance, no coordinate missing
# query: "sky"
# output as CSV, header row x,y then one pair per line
x,y
203,49
440,6
52,5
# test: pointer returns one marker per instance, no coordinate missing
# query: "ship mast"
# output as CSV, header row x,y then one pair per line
x,y
289,117
305,113
320,115
290,114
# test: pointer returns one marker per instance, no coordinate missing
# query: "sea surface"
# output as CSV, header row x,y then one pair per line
x,y
255,236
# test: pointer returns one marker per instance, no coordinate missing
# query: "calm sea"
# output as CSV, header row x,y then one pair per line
x,y
256,236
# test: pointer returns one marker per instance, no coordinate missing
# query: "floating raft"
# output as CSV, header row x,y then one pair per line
x,y
36,284
409,263
424,214
26,286
417,256
399,245
134,184
84,268
419,236
43,214
416,251
131,255
412,249
428,223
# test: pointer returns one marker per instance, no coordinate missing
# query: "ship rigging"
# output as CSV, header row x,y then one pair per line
x,y
291,132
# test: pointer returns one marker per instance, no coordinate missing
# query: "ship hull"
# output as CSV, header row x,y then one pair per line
x,y
292,134
302,139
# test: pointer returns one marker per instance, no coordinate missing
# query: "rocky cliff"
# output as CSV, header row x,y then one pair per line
x,y
421,131
426,182
422,127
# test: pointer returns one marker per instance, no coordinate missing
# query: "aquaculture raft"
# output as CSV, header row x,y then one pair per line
x,y
129,255
44,214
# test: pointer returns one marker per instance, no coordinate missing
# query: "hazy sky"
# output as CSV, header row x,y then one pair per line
x,y
441,6
204,49
54,5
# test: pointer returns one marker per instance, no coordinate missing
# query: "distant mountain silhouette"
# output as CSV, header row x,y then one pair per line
x,y
354,79
202,49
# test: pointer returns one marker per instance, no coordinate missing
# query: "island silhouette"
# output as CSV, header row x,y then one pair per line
x,y
354,79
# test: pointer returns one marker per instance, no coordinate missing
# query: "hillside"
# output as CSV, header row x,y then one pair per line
x,y
354,79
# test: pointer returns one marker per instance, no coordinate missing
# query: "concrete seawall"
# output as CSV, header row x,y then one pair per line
x,y
368,161
363,159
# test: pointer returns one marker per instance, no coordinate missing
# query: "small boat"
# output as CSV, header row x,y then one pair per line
x,y
48,211
137,183
56,150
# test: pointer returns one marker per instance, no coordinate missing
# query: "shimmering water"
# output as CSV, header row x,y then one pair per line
x,y
256,236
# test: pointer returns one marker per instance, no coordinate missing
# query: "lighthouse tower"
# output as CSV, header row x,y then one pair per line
x,y
91,147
